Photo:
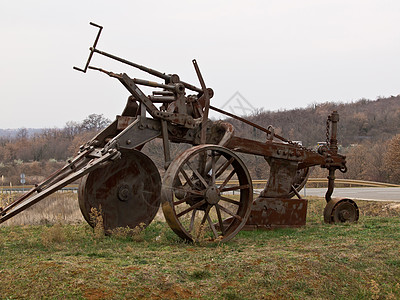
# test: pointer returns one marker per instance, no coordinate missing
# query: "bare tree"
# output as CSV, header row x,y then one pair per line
x,y
392,159
95,122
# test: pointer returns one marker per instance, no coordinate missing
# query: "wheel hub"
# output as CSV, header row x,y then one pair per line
x,y
344,215
124,192
212,195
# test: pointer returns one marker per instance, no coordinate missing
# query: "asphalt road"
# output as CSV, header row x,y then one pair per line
x,y
367,193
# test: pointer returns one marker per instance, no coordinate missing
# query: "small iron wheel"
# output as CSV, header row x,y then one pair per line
x,y
204,186
126,191
341,211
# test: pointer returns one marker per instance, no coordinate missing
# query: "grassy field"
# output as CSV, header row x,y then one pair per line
x,y
318,261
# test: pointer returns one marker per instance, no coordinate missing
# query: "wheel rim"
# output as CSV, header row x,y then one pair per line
x,y
195,198
126,191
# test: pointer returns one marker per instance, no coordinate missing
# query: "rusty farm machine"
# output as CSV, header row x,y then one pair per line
x,y
195,191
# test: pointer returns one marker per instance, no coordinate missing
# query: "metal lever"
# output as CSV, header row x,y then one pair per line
x,y
92,49
206,103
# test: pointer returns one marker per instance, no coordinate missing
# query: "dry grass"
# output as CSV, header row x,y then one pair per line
x,y
134,234
60,207
63,208
54,234
96,218
318,261
379,209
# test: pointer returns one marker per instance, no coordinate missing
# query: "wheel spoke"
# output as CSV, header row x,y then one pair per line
x,y
194,192
224,167
205,215
236,187
181,201
227,179
226,199
197,205
212,226
188,180
201,178
192,219
221,223
230,213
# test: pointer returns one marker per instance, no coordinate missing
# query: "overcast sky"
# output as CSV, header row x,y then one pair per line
x,y
278,54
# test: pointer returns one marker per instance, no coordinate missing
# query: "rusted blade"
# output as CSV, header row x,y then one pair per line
x,y
127,191
268,213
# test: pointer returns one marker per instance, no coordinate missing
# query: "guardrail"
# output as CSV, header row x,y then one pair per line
x,y
350,182
25,188
354,182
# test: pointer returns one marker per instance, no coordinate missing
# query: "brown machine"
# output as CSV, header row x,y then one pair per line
x,y
195,191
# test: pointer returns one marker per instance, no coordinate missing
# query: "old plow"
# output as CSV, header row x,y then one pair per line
x,y
205,190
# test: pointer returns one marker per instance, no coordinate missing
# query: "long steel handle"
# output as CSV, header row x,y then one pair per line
x,y
19,206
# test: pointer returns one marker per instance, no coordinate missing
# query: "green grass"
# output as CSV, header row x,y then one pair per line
x,y
318,261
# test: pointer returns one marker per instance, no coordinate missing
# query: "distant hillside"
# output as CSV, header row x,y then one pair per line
x,y
372,125
12,133
359,121
373,120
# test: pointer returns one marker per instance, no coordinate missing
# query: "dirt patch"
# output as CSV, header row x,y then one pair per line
x,y
95,294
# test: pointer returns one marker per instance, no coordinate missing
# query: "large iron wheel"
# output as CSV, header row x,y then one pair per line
x,y
126,191
204,186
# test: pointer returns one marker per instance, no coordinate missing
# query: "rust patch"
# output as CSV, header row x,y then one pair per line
x,y
270,213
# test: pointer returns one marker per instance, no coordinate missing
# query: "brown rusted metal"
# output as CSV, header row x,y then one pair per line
x,y
126,192
269,213
198,183
341,211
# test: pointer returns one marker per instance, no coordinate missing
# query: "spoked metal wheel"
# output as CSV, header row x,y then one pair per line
x,y
126,191
204,186
341,211
299,181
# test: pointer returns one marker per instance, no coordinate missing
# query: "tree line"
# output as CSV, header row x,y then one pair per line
x,y
42,153
368,135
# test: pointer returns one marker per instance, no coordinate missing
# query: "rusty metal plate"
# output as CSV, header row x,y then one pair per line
x,y
268,213
126,190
